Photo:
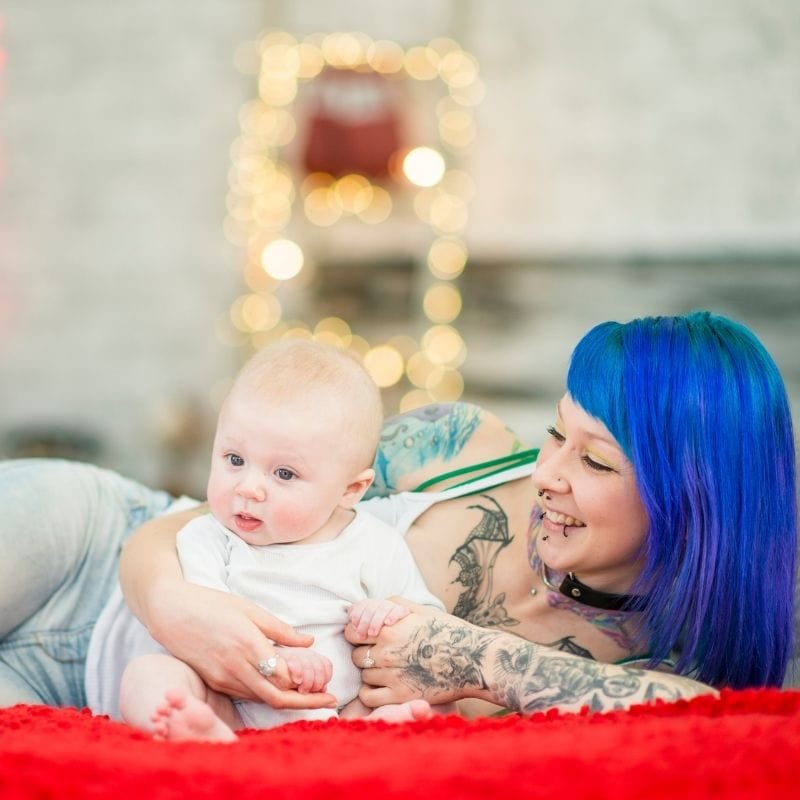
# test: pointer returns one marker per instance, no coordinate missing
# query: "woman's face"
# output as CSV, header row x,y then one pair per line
x,y
593,520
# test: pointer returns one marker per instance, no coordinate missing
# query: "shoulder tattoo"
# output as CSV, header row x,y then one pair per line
x,y
411,440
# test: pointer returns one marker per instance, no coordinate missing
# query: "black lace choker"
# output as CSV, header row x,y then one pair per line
x,y
576,590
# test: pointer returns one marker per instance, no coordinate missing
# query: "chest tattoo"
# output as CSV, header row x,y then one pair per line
x,y
476,559
611,623
567,645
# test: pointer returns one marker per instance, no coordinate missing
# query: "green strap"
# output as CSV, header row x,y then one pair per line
x,y
513,460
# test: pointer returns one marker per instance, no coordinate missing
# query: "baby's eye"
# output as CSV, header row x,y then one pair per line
x,y
284,474
235,460
559,437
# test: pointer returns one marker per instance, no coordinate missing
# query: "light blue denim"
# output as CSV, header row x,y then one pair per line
x,y
62,526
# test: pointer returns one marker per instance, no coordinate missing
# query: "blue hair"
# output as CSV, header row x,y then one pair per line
x,y
700,409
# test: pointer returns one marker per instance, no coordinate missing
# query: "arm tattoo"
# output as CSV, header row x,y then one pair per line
x,y
526,683
476,559
442,657
409,441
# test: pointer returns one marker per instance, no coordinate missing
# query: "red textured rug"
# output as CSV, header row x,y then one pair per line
x,y
742,745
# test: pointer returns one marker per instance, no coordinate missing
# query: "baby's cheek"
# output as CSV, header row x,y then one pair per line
x,y
297,519
218,499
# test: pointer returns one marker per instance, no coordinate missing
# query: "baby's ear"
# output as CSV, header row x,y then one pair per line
x,y
356,488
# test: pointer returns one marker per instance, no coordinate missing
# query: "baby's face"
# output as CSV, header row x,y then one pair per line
x,y
278,473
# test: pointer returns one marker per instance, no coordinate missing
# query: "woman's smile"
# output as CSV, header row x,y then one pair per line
x,y
552,518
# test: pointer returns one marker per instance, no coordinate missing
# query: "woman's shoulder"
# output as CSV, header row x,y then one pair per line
x,y
436,439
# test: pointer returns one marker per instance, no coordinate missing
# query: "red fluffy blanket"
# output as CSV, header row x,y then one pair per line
x,y
744,744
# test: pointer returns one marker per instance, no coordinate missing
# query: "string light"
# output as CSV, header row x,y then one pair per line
x,y
263,197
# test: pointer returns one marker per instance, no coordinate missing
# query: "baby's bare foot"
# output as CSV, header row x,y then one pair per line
x,y
183,718
403,712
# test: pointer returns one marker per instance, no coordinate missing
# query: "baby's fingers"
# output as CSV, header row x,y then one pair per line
x,y
396,613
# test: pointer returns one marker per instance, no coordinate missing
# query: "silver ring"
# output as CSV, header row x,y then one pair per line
x,y
369,661
267,666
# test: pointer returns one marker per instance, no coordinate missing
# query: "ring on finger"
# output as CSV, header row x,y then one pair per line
x,y
369,661
267,666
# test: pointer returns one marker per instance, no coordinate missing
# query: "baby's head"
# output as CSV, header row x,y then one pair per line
x,y
295,442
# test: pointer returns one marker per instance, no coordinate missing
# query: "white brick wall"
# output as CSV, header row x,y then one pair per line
x,y
663,126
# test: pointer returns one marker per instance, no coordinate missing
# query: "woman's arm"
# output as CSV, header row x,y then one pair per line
x,y
222,636
443,658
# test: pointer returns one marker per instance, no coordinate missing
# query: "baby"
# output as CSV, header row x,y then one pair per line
x,y
292,455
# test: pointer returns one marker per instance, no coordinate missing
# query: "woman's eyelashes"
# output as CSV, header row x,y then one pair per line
x,y
590,462
596,465
552,431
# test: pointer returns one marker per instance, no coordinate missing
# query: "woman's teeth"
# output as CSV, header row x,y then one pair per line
x,y
563,519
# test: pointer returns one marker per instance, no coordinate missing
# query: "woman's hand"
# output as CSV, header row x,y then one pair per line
x,y
224,639
427,654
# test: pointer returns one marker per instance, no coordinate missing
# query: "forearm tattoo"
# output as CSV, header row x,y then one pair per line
x,y
476,559
443,657
411,440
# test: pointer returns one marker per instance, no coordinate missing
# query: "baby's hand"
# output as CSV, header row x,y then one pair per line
x,y
368,616
310,671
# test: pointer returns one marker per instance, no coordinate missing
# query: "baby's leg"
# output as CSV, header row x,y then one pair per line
x,y
166,697
392,712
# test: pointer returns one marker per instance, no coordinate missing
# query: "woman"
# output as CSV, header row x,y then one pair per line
x,y
659,528
663,527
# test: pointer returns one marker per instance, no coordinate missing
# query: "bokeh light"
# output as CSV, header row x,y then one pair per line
x,y
447,258
424,166
282,259
385,365
442,302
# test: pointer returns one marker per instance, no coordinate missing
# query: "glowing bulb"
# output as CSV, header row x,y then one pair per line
x,y
384,364
442,303
282,259
424,166
447,258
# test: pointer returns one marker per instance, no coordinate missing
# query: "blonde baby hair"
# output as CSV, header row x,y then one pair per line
x,y
310,374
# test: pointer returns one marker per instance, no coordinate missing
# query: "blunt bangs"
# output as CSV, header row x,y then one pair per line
x,y
595,379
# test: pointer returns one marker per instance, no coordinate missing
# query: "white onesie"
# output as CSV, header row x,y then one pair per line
x,y
308,586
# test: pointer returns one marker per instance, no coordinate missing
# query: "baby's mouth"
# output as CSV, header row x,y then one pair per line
x,y
246,522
